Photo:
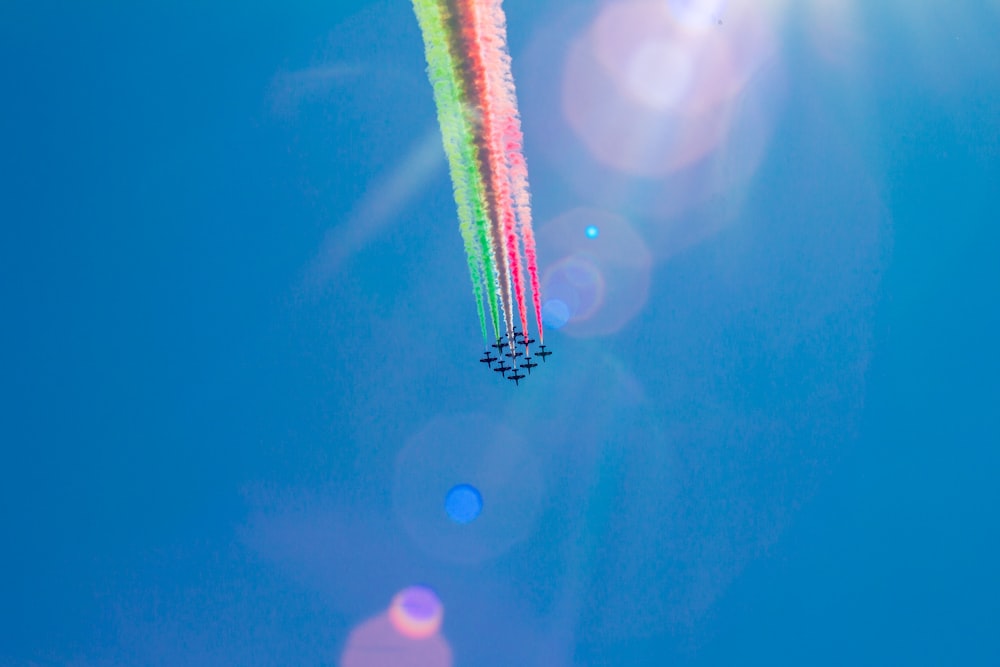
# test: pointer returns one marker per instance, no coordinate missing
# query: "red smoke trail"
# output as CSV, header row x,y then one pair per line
x,y
493,100
479,45
513,145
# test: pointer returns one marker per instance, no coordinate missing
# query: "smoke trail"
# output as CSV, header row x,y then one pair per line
x,y
468,40
514,146
493,98
458,145
469,69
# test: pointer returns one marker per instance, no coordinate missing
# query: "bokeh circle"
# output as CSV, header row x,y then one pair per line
x,y
463,503
490,456
416,612
592,285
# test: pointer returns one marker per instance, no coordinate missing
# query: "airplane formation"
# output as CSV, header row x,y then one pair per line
x,y
509,349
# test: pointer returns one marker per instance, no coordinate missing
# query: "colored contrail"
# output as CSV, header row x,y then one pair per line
x,y
458,145
513,142
468,64
467,39
491,62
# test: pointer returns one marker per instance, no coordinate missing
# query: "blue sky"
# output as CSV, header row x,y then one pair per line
x,y
239,348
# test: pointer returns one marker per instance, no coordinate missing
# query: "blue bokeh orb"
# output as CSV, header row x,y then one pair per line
x,y
591,231
463,503
555,313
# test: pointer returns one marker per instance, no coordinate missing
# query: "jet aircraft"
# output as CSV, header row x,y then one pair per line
x,y
487,359
543,352
516,377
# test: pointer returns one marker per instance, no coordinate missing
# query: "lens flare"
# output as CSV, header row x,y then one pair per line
x,y
394,639
593,288
416,612
474,447
664,110
463,503
556,313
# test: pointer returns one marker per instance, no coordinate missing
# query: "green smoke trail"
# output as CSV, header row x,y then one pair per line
x,y
459,146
